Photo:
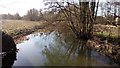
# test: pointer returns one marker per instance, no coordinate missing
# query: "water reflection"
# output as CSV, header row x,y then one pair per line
x,y
57,50
55,57
8,60
64,53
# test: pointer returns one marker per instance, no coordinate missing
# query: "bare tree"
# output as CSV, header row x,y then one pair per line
x,y
17,16
79,15
50,16
32,15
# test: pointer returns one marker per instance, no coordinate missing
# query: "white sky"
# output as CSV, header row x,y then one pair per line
x,y
20,6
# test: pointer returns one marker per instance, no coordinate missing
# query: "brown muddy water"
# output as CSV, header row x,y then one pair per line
x,y
55,50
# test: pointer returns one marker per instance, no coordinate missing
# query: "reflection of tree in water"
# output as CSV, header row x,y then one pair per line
x,y
55,56
80,52
64,54
8,60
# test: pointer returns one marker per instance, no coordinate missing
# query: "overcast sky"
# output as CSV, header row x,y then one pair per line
x,y
20,6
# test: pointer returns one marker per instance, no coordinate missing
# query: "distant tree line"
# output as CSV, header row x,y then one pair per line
x,y
10,16
31,15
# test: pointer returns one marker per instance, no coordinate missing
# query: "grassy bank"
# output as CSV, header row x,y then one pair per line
x,y
107,31
17,28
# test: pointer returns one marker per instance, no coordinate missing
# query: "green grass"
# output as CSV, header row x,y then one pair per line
x,y
106,34
106,30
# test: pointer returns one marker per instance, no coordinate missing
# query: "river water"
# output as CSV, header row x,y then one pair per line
x,y
54,49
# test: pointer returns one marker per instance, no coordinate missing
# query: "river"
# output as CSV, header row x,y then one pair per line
x,y
54,49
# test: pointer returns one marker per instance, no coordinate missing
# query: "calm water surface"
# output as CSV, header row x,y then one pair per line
x,y
55,50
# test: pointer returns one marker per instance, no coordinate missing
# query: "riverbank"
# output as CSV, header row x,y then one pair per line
x,y
19,28
105,48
